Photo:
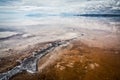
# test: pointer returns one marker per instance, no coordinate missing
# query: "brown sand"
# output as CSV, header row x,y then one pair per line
x,y
77,61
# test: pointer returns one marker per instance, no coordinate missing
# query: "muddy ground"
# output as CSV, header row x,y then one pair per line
x,y
77,61
14,57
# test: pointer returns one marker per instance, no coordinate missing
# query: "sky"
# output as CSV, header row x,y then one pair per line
x,y
27,11
13,10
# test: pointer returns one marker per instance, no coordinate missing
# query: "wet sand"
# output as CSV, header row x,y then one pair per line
x,y
14,57
94,55
77,61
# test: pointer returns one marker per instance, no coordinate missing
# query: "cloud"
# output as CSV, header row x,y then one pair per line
x,y
9,2
26,8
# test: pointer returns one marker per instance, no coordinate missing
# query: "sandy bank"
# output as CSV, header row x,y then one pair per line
x,y
79,62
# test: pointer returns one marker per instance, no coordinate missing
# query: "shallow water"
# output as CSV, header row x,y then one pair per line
x,y
34,30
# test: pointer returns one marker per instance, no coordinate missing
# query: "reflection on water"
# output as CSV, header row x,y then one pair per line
x,y
34,30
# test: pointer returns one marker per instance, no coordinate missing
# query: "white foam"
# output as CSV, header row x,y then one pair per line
x,y
26,35
7,34
69,35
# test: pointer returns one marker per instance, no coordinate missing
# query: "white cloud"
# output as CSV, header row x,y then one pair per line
x,y
26,7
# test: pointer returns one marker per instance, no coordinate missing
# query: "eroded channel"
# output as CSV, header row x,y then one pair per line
x,y
30,64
